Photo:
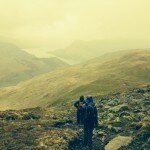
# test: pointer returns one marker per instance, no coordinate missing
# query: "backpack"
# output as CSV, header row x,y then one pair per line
x,y
89,112
80,105
89,100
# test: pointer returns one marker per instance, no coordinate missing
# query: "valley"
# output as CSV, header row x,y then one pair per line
x,y
74,75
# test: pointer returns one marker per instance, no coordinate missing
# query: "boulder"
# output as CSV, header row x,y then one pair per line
x,y
111,115
99,133
118,142
117,122
140,90
69,121
59,124
105,98
137,95
113,102
137,110
104,116
145,132
106,107
116,129
124,113
122,107
101,104
31,116
147,101
136,126
148,89
10,116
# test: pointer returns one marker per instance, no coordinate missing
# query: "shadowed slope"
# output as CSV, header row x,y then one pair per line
x,y
17,65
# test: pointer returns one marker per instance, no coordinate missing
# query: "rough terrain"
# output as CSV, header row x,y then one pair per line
x,y
124,123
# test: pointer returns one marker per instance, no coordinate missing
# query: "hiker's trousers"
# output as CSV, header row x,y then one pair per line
x,y
79,116
88,133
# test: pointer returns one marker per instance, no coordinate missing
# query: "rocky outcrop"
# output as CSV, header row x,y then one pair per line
x,y
124,124
118,142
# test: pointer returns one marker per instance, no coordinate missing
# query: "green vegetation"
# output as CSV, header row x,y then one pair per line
x,y
112,72
17,65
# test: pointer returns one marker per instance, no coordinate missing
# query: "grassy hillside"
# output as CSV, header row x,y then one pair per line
x,y
80,51
113,72
17,65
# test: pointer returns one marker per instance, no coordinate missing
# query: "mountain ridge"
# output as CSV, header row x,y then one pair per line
x,y
17,65
100,76
80,51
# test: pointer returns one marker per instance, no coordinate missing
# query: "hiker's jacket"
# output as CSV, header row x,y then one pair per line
x,y
90,121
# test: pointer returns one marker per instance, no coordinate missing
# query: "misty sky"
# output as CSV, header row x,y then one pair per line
x,y
56,23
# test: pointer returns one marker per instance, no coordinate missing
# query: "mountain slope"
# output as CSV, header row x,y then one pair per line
x,y
80,51
121,116
17,65
109,73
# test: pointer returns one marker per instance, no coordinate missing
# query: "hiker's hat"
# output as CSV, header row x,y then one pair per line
x,y
81,98
89,99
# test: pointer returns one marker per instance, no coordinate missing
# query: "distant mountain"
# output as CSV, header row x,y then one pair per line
x,y
118,71
17,65
80,51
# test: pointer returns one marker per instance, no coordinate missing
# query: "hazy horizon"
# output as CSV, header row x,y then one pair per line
x,y
56,24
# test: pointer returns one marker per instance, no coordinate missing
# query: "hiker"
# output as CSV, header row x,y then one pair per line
x,y
79,105
90,120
